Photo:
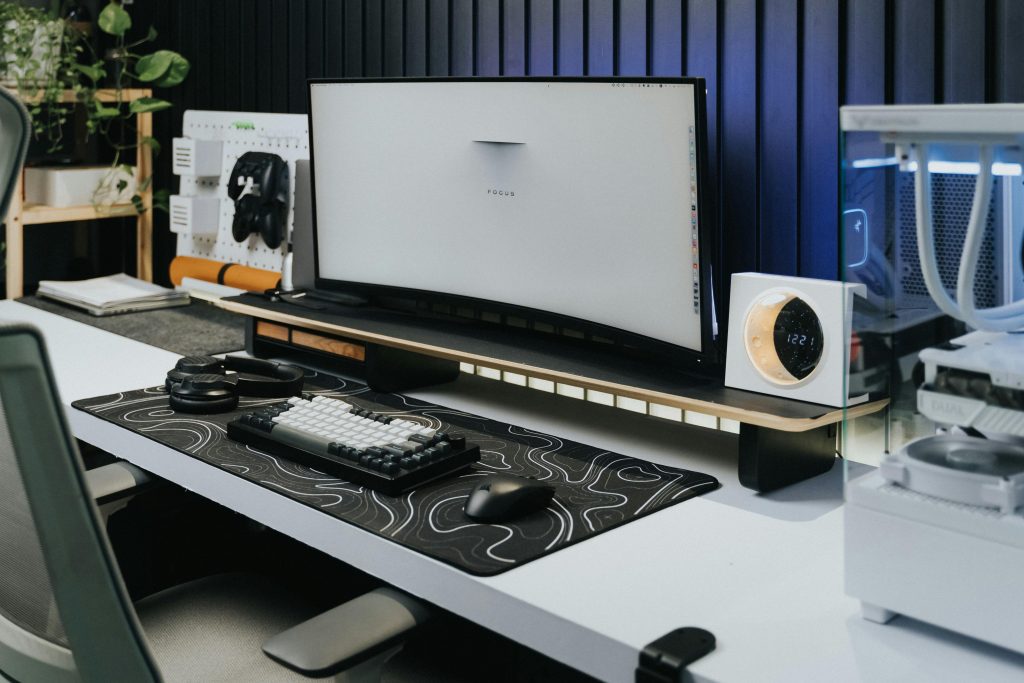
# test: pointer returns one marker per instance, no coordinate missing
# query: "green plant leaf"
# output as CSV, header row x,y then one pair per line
x,y
152,67
93,72
175,73
152,143
137,203
102,112
114,20
144,105
152,33
162,200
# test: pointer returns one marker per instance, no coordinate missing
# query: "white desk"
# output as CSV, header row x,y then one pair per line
x,y
763,573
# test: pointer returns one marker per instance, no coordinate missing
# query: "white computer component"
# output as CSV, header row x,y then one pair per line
x,y
194,215
196,157
949,563
937,532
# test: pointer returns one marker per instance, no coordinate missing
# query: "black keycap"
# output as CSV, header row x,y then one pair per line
x,y
390,468
419,438
376,463
406,463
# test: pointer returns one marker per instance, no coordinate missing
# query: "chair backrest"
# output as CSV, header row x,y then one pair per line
x,y
64,612
14,129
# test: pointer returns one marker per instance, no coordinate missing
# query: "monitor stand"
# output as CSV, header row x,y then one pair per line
x,y
781,441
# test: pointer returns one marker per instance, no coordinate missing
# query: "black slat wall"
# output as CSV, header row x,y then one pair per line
x,y
776,69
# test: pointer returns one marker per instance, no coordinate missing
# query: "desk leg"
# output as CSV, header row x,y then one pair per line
x,y
771,459
15,256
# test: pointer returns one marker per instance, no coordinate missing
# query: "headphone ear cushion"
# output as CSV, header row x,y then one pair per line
x,y
246,209
204,406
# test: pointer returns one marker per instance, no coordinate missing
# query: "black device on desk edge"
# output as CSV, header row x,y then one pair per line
x,y
200,384
504,497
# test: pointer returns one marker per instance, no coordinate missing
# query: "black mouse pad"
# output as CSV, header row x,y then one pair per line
x,y
596,490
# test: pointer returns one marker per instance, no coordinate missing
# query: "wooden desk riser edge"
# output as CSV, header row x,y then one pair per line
x,y
715,409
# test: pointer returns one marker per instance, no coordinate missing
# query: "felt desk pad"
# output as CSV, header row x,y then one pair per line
x,y
596,490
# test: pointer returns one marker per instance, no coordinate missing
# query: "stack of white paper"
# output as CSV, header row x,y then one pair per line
x,y
112,294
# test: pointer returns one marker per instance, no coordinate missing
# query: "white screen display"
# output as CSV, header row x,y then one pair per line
x,y
577,198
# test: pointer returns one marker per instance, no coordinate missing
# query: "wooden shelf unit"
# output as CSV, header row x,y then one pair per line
x,y
21,214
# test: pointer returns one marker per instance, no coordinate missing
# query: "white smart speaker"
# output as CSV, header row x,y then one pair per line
x,y
790,337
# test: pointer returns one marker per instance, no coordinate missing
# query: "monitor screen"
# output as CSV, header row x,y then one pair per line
x,y
577,197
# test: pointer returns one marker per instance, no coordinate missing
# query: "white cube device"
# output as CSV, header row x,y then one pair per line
x,y
194,215
790,337
200,158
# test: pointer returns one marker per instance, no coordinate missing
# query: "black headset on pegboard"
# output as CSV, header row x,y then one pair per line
x,y
259,187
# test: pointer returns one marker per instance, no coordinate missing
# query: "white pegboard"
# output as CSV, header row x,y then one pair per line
x,y
286,135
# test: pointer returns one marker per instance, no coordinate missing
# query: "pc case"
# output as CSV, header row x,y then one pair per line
x,y
934,515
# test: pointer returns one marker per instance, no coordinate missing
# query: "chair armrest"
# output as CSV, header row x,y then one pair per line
x,y
110,481
347,635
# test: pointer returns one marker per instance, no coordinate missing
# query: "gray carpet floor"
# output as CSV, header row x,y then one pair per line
x,y
197,329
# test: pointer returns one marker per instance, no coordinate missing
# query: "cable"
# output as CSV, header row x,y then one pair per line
x,y
1004,318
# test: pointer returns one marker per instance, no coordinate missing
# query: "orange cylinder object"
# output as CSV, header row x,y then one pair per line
x,y
230,274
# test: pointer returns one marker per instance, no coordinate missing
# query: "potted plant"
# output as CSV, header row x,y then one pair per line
x,y
37,58
42,78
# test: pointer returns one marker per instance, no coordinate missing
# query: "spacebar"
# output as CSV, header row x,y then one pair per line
x,y
290,436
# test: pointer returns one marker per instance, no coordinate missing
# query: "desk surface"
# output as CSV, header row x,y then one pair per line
x,y
761,572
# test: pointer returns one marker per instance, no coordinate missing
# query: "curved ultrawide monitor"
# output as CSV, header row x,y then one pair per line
x,y
578,197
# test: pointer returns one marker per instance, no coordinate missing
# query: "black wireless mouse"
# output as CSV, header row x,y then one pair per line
x,y
503,498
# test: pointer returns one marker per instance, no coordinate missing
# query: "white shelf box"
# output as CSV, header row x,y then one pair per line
x,y
195,215
200,158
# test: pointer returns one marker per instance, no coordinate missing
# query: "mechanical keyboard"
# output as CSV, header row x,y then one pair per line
x,y
383,453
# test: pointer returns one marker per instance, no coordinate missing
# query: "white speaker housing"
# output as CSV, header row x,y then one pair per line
x,y
200,158
819,344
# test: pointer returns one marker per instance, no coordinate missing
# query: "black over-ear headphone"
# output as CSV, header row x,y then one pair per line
x,y
200,384
264,209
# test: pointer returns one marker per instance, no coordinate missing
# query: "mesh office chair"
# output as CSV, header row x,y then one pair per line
x,y
64,612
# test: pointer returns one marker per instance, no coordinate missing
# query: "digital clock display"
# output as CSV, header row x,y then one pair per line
x,y
798,338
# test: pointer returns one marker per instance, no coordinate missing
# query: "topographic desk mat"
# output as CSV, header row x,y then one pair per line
x,y
596,490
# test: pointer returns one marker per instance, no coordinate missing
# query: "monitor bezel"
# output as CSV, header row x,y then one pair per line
x,y
709,358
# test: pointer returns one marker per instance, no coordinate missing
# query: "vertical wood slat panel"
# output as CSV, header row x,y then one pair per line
x,y
277,82
667,38
439,40
261,82
541,25
779,181
204,63
217,49
233,82
373,38
963,47
819,134
514,30
247,60
601,38
632,47
300,46
866,52
569,49
739,153
487,44
461,39
316,51
913,48
1009,51
334,38
353,44
416,38
393,36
